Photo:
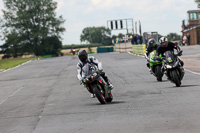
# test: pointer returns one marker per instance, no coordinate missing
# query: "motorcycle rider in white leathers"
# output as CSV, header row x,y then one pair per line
x,y
84,59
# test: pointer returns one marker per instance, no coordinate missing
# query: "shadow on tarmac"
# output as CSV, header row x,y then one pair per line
x,y
184,86
165,80
189,85
113,102
116,102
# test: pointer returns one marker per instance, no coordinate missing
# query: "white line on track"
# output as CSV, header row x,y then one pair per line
x,y
11,95
192,72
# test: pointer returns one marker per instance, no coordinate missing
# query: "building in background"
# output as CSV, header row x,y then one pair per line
x,y
192,26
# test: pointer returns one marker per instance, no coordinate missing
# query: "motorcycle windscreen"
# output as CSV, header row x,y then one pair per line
x,y
88,70
169,56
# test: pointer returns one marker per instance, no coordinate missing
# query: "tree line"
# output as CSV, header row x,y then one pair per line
x,y
31,27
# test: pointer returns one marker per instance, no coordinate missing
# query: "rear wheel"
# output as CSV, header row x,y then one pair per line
x,y
159,73
175,78
99,95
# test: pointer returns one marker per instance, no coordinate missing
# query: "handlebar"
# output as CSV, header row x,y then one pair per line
x,y
159,58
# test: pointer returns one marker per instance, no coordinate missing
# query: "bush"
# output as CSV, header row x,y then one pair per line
x,y
76,46
6,56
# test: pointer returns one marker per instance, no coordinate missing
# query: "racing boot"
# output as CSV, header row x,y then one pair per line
x,y
93,96
150,71
110,86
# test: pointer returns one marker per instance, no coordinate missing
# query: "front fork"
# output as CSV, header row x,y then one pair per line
x,y
105,85
182,72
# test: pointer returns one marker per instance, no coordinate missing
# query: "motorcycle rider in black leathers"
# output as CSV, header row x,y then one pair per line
x,y
151,46
83,57
166,45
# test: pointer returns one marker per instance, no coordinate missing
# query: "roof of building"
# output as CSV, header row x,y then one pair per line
x,y
189,11
191,28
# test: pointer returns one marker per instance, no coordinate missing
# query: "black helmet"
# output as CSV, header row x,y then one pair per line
x,y
152,42
82,55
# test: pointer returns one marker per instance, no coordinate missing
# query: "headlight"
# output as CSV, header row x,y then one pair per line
x,y
168,66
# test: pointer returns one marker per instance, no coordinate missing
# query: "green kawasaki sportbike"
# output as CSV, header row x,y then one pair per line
x,y
155,66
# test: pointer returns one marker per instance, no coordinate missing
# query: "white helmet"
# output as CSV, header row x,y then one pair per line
x,y
163,41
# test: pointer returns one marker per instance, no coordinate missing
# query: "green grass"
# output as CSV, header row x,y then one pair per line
x,y
9,63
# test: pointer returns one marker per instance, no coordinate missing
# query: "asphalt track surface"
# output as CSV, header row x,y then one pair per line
x,y
44,96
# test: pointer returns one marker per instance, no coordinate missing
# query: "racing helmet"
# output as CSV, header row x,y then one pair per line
x,y
152,43
83,55
163,41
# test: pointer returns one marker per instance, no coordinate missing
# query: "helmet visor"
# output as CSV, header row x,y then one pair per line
x,y
152,44
83,58
164,44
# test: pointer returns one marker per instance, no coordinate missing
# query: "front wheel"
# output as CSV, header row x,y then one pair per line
x,y
97,91
159,73
175,78
110,97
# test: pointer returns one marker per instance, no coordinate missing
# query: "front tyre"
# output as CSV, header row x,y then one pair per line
x,y
159,73
99,95
175,78
110,98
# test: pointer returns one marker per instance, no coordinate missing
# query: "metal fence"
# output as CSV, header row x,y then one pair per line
x,y
148,35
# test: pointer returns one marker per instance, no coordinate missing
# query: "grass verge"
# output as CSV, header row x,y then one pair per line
x,y
9,63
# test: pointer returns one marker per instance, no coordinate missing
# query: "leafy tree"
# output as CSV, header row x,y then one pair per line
x,y
31,22
1,28
120,35
51,45
114,37
96,35
107,41
173,37
11,46
80,46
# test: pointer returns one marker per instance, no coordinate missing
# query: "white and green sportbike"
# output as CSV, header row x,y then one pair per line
x,y
155,66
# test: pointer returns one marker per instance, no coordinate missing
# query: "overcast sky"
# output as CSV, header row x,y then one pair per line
x,y
163,16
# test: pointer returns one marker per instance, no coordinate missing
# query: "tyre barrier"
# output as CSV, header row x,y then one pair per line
x,y
139,49
47,56
104,49
123,47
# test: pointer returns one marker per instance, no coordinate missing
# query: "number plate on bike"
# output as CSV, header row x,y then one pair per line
x,y
169,59
94,74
